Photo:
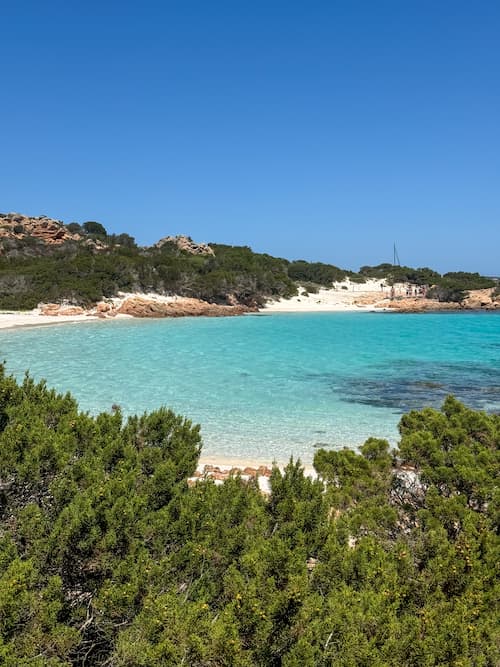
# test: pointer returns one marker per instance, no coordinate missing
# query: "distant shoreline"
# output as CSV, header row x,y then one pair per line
x,y
24,320
371,296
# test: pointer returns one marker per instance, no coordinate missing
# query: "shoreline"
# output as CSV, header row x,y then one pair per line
x,y
345,296
373,296
337,299
29,319
23,320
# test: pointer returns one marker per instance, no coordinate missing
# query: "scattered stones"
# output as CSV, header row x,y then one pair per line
x,y
220,475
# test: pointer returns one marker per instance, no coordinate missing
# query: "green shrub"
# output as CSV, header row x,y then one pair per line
x,y
109,557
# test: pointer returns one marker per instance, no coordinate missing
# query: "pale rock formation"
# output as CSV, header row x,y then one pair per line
x,y
58,309
186,244
482,299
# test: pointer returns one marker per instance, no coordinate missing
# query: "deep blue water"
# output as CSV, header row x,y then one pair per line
x,y
269,386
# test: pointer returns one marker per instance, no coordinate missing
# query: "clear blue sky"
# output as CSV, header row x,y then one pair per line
x,y
317,130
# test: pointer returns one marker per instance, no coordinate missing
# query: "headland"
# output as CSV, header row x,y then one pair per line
x,y
52,272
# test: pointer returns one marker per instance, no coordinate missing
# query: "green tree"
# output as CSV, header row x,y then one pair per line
x,y
92,228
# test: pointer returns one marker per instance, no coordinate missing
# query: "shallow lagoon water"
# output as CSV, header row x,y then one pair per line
x,y
270,386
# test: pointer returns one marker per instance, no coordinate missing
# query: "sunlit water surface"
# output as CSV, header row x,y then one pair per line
x,y
270,386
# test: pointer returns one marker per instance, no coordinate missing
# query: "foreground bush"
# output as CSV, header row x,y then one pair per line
x,y
108,557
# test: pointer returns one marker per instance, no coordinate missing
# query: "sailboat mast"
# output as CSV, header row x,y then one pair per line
x,y
396,261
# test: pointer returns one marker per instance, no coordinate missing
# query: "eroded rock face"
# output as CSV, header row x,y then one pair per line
x,y
49,231
186,244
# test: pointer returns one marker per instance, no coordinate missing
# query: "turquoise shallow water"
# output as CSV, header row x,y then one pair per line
x,y
269,386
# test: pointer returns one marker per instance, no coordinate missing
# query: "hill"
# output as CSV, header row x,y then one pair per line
x,y
45,260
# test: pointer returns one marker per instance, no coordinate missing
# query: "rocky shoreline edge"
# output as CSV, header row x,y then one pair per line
x,y
147,306
144,306
159,306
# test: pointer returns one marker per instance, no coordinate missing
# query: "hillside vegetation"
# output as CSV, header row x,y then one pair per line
x,y
109,558
42,260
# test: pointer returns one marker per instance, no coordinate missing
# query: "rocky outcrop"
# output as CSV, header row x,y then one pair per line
x,y
482,299
186,244
139,306
58,309
147,307
419,305
49,231
52,232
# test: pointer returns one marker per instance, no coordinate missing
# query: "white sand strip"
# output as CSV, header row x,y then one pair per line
x,y
374,295
33,318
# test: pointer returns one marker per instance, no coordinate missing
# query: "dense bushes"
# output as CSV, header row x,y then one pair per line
x,y
108,557
468,281
32,272
454,286
83,276
316,272
401,274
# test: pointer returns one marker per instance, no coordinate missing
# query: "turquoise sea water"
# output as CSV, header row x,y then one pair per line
x,y
269,386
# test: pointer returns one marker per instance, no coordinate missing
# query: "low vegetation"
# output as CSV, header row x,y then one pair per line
x,y
109,558
101,264
83,276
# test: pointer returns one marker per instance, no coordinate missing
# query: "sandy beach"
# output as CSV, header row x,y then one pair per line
x,y
343,296
34,318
